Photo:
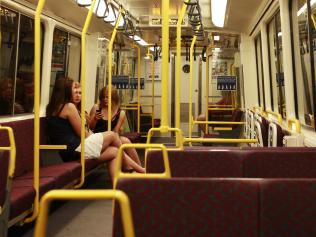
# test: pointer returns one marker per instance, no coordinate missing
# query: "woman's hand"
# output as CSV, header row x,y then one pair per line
x,y
98,114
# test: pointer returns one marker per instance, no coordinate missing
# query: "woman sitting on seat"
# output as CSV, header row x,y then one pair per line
x,y
99,118
64,127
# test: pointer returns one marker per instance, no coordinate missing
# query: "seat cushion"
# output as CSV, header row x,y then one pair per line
x,y
288,208
191,207
198,163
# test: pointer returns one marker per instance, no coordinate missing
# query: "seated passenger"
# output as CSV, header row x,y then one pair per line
x,y
216,114
64,127
99,118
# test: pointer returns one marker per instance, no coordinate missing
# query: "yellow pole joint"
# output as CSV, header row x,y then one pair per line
x,y
294,124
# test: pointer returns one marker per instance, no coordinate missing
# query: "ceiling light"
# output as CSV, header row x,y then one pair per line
x,y
219,12
216,37
139,40
84,3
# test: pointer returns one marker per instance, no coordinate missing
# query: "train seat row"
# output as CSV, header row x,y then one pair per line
x,y
247,162
54,176
220,207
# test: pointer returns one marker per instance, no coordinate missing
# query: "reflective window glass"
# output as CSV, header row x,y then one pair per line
x,y
17,63
305,39
276,64
9,37
65,57
261,96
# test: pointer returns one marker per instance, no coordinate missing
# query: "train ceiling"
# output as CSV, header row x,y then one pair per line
x,y
240,15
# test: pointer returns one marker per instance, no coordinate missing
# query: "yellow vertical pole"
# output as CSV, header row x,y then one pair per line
x,y
178,66
83,92
165,65
138,86
191,80
37,82
110,50
207,84
152,87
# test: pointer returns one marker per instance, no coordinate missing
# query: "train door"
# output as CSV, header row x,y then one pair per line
x,y
185,90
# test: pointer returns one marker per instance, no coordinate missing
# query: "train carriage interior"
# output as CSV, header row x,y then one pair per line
x,y
157,118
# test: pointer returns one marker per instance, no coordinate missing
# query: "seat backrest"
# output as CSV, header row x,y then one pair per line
x,y
190,207
198,163
280,163
24,139
287,207
4,167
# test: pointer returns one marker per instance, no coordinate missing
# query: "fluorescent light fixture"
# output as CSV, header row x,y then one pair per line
x,y
304,8
84,3
216,37
139,40
219,12
103,39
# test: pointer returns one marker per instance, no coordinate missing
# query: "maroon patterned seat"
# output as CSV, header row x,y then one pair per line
x,y
288,208
4,166
134,137
296,162
191,207
199,163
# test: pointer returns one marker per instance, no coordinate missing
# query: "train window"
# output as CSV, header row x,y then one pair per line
x,y
260,78
17,63
65,56
305,39
276,63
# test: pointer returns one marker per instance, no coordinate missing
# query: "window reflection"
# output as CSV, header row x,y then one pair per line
x,y
303,64
65,57
17,63
260,71
276,64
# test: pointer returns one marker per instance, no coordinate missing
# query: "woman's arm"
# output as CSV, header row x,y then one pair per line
x,y
93,117
72,115
120,122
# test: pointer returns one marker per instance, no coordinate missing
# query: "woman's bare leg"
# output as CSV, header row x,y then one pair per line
x,y
201,117
110,153
131,151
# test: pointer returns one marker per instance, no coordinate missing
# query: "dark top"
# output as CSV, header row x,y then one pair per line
x,y
102,124
60,132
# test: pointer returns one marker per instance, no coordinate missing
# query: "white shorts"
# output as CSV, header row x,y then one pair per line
x,y
93,146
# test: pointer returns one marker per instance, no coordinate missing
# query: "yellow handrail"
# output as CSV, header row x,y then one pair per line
x,y
279,116
165,64
110,50
11,148
207,83
119,157
221,109
190,84
216,105
138,86
37,71
83,92
294,124
179,136
260,108
121,197
218,122
178,64
221,140
152,86
53,147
